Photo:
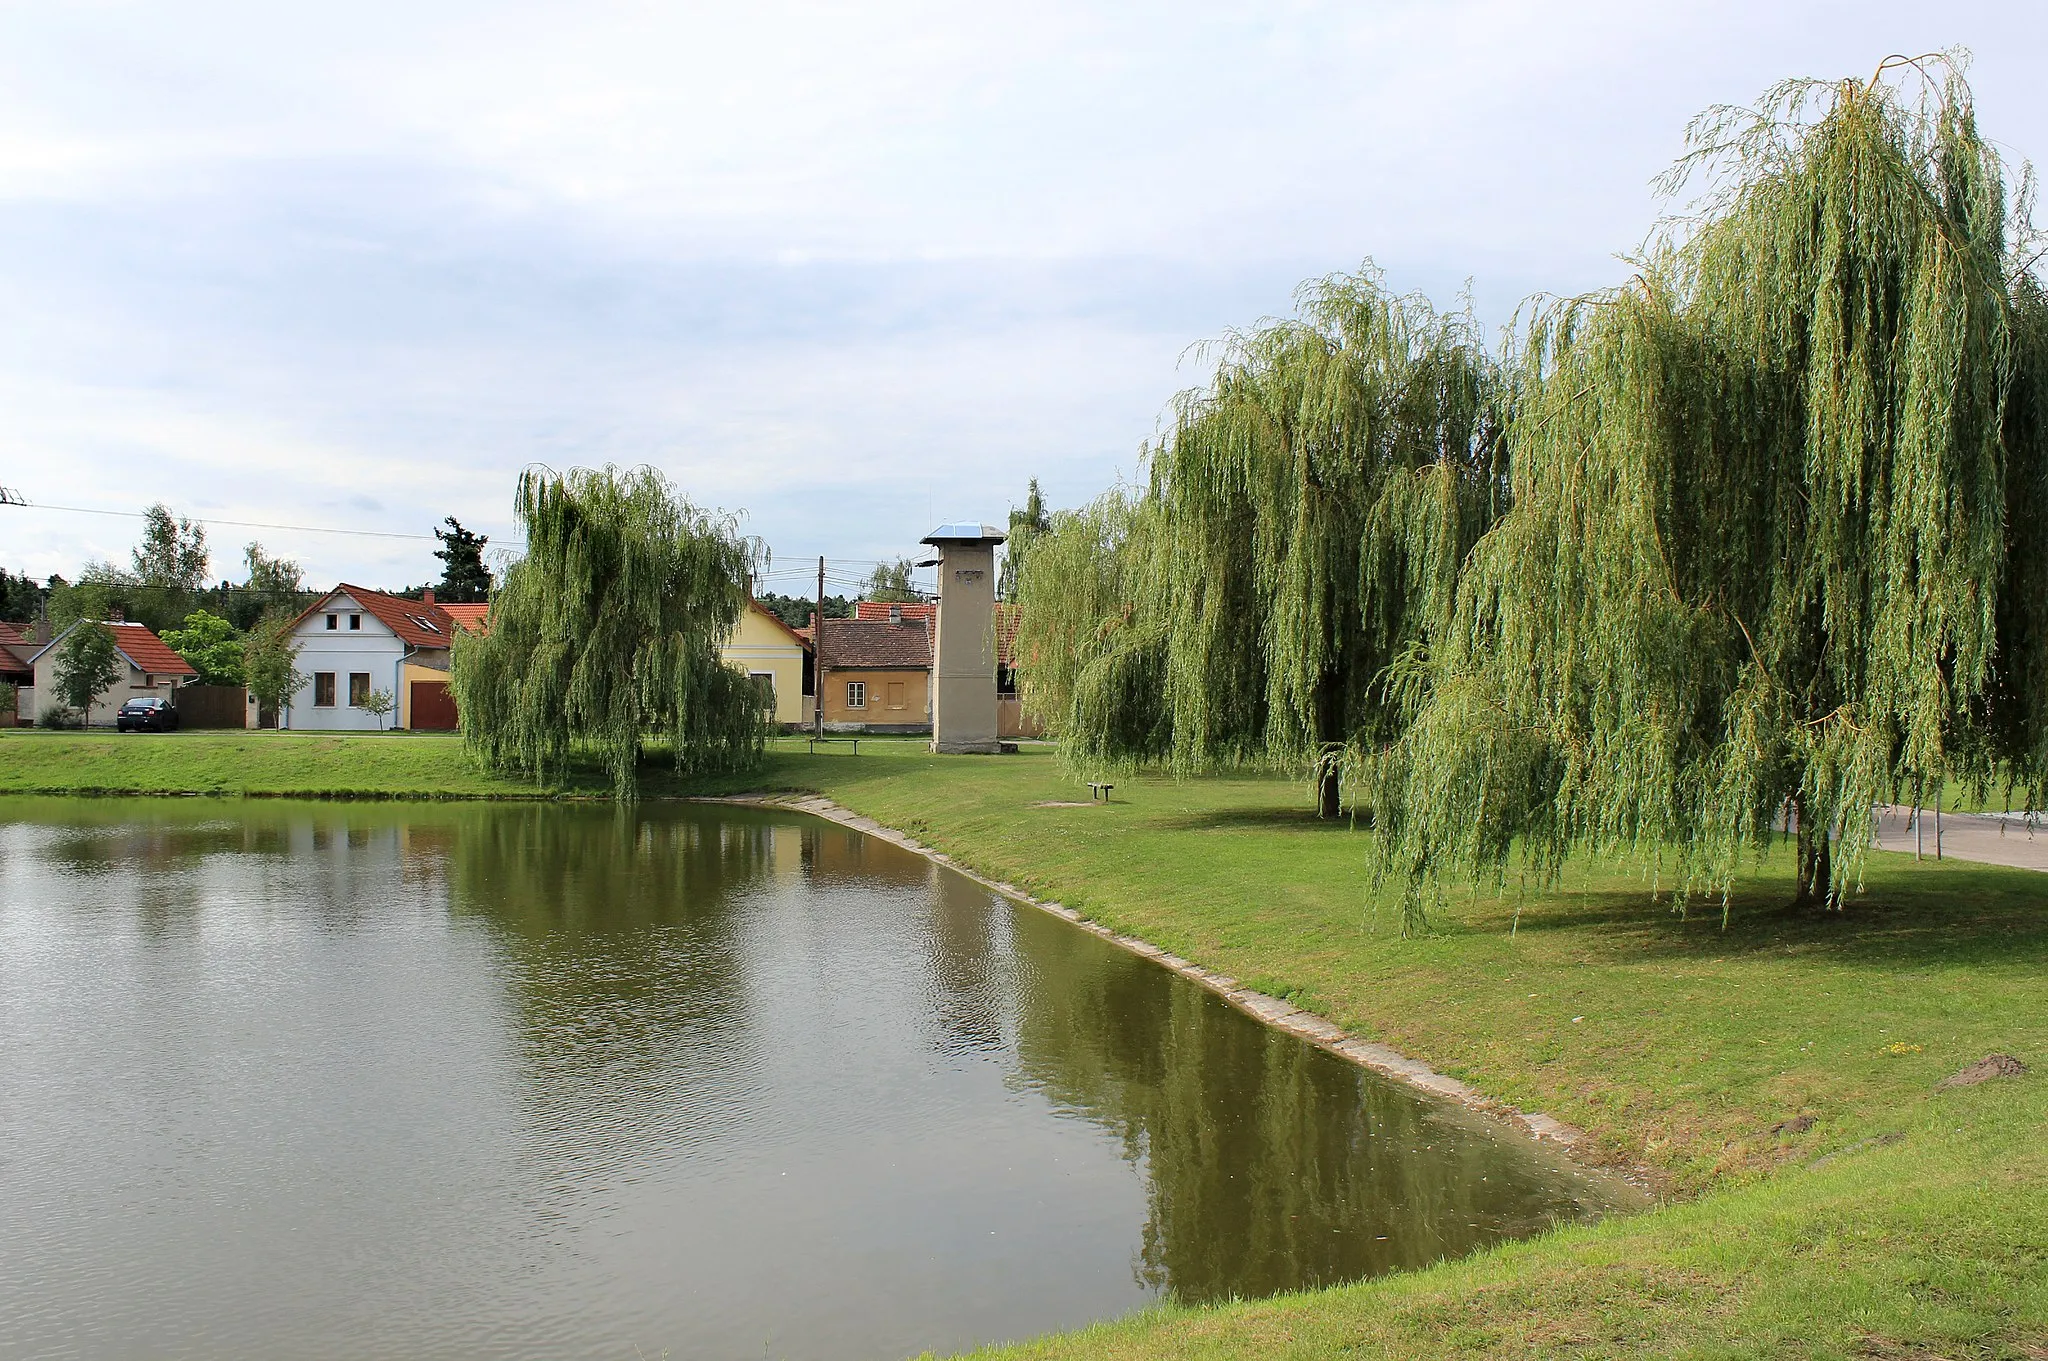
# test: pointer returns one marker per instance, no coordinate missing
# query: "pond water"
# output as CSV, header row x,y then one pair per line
x,y
509,1081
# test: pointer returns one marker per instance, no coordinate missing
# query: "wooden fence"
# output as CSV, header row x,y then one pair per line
x,y
213,706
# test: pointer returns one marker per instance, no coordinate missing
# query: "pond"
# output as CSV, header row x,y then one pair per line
x,y
469,1081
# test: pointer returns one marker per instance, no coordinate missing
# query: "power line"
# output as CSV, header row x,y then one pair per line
x,y
12,498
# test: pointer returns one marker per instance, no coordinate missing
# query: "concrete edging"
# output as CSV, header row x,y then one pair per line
x,y
1273,1011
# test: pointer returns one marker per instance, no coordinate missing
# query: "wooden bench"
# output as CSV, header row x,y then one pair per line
x,y
1099,791
853,742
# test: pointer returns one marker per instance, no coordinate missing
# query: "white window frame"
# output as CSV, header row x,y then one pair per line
x,y
355,623
333,622
768,676
329,704
856,694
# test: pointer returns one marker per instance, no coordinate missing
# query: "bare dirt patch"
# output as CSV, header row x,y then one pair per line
x,y
1983,1070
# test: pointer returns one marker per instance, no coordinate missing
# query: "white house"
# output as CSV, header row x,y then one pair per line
x,y
354,641
152,670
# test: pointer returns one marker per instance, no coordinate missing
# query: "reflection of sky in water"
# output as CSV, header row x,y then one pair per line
x,y
477,1081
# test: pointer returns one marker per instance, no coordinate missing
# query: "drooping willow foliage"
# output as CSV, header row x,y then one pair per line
x,y
1776,550
1302,531
608,632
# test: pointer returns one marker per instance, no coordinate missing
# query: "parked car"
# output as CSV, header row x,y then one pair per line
x,y
147,715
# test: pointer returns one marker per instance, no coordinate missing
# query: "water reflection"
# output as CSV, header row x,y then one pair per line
x,y
477,1080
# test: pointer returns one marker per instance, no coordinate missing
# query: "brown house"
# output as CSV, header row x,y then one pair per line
x,y
876,675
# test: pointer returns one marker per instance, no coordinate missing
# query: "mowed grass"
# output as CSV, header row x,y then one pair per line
x,y
307,764
1905,1221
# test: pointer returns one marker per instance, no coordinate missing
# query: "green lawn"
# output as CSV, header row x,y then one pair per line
x,y
1676,1044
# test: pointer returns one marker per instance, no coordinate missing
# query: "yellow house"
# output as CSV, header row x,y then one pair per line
x,y
773,653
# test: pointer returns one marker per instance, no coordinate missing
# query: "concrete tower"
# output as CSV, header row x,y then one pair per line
x,y
964,647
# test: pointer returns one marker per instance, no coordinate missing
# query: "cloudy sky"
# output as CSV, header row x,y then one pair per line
x,y
850,269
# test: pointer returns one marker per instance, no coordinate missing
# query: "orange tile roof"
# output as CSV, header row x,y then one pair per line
x,y
469,618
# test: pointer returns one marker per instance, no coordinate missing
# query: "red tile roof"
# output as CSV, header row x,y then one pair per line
x,y
879,609
877,645
1007,619
143,649
416,623
16,648
147,651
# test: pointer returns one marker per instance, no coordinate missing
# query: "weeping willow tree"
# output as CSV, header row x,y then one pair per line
x,y
1091,633
1776,548
1302,532
608,632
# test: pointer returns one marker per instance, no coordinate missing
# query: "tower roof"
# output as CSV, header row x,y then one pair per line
x,y
964,533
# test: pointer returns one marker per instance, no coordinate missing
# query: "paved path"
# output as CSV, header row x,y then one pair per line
x,y
1990,838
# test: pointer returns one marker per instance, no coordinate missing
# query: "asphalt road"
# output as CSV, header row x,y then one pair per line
x,y
1990,838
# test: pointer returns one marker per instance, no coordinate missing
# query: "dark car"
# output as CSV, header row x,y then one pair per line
x,y
147,715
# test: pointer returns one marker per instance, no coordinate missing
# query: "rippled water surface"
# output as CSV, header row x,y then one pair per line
x,y
524,1081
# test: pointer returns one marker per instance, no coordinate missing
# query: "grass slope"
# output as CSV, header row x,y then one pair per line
x,y
1675,1043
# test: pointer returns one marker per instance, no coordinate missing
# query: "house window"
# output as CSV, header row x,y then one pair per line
x,y
355,621
856,694
323,688
333,622
358,689
895,694
764,685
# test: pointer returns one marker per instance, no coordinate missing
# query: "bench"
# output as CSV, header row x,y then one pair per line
x,y
1098,790
853,742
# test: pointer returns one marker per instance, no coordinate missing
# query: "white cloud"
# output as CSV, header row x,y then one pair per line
x,y
848,267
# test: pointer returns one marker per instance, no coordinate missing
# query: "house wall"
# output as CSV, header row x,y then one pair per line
x,y
421,666
1012,721
760,644
134,685
907,709
372,648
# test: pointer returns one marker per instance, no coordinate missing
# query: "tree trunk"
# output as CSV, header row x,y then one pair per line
x,y
1816,861
1328,790
1329,762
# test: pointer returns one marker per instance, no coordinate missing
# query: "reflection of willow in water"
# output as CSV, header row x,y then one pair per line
x,y
1272,1165
629,973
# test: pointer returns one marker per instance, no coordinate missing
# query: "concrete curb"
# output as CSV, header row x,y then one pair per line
x,y
1273,1011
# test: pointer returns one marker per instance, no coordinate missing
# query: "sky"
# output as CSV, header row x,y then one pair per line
x,y
846,271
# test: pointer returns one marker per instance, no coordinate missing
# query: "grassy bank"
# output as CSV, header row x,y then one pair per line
x,y
1903,1221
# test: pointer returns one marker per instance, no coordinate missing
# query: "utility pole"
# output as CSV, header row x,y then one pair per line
x,y
818,659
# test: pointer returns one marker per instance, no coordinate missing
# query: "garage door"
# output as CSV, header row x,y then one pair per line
x,y
433,706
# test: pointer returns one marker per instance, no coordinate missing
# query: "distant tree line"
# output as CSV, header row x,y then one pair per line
x,y
796,610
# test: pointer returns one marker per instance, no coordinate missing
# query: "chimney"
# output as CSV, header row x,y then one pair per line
x,y
427,596
895,614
